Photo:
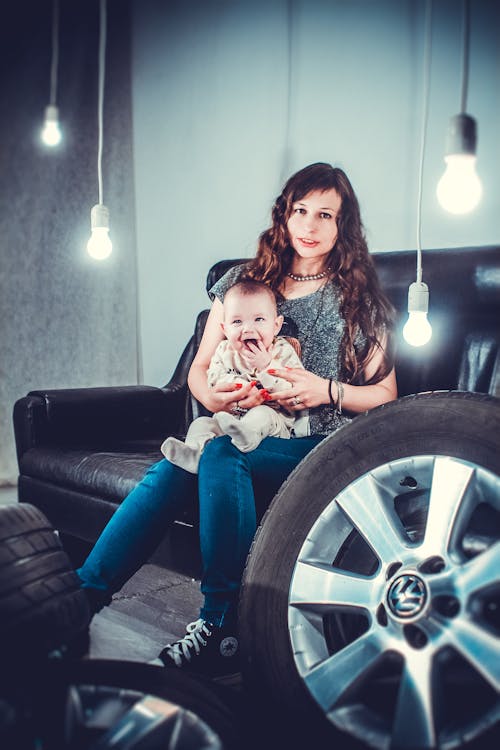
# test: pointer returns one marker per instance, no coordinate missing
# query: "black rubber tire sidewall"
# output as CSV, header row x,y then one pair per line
x,y
462,425
41,604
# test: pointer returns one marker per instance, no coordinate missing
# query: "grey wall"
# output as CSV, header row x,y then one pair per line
x,y
65,320
230,97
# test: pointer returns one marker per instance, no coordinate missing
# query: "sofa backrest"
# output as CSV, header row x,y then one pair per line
x,y
464,310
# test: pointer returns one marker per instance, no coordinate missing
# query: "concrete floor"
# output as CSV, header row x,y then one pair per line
x,y
152,609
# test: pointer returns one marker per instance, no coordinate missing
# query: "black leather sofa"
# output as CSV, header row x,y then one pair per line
x,y
80,451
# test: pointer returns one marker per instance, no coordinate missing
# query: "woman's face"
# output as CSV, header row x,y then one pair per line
x,y
312,226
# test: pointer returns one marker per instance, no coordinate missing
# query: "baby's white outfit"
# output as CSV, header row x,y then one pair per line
x,y
246,430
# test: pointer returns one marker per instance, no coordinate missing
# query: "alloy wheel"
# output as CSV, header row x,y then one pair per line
x,y
394,601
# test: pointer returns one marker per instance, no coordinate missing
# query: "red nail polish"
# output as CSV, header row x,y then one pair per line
x,y
271,372
253,383
238,386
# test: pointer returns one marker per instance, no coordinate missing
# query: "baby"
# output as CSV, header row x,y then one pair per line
x,y
251,347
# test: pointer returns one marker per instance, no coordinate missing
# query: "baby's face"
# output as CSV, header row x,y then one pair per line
x,y
250,319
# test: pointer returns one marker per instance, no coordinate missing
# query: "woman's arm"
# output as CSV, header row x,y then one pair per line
x,y
212,336
223,396
360,398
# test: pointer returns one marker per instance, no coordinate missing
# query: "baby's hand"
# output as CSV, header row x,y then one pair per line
x,y
256,356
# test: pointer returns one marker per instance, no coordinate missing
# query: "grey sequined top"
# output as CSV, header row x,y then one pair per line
x,y
319,328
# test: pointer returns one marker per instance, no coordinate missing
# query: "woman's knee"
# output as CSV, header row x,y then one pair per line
x,y
164,477
156,472
217,450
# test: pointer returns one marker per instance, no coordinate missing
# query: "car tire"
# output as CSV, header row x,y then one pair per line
x,y
402,502
41,604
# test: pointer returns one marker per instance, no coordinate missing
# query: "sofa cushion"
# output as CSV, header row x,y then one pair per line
x,y
109,474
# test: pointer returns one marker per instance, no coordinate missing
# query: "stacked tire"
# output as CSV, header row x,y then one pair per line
x,y
42,607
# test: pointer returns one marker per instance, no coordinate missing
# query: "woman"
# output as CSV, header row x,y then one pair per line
x,y
315,258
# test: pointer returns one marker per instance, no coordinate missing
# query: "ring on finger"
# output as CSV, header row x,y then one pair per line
x,y
238,410
296,401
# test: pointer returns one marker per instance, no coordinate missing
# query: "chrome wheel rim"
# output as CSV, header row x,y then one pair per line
x,y
100,717
393,604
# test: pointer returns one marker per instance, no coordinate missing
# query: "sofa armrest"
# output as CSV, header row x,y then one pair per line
x,y
97,417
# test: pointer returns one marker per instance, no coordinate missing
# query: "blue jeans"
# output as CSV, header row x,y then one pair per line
x,y
234,489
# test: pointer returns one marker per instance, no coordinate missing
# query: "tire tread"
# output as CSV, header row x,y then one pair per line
x,y
41,603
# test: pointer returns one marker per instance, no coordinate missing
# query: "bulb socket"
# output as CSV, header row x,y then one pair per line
x,y
461,136
99,217
51,113
418,297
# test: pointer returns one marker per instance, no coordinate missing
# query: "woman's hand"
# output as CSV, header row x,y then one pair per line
x,y
307,389
228,396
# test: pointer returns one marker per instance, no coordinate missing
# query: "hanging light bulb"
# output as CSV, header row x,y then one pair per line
x,y
99,245
51,132
417,330
459,190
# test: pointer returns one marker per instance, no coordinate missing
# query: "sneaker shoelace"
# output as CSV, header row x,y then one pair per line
x,y
196,632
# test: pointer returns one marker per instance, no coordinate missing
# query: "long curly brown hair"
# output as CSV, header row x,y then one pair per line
x,y
364,306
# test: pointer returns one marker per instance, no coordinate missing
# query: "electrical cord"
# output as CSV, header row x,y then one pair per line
x,y
55,53
425,112
100,94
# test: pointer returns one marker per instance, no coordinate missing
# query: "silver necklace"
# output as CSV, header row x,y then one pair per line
x,y
309,277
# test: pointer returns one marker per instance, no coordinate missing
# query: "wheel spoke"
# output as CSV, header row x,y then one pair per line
x,y
447,504
371,511
479,647
413,724
148,713
480,572
315,586
329,680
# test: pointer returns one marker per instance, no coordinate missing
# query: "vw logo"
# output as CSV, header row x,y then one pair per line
x,y
407,596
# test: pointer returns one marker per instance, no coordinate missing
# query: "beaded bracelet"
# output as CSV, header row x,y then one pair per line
x,y
340,394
